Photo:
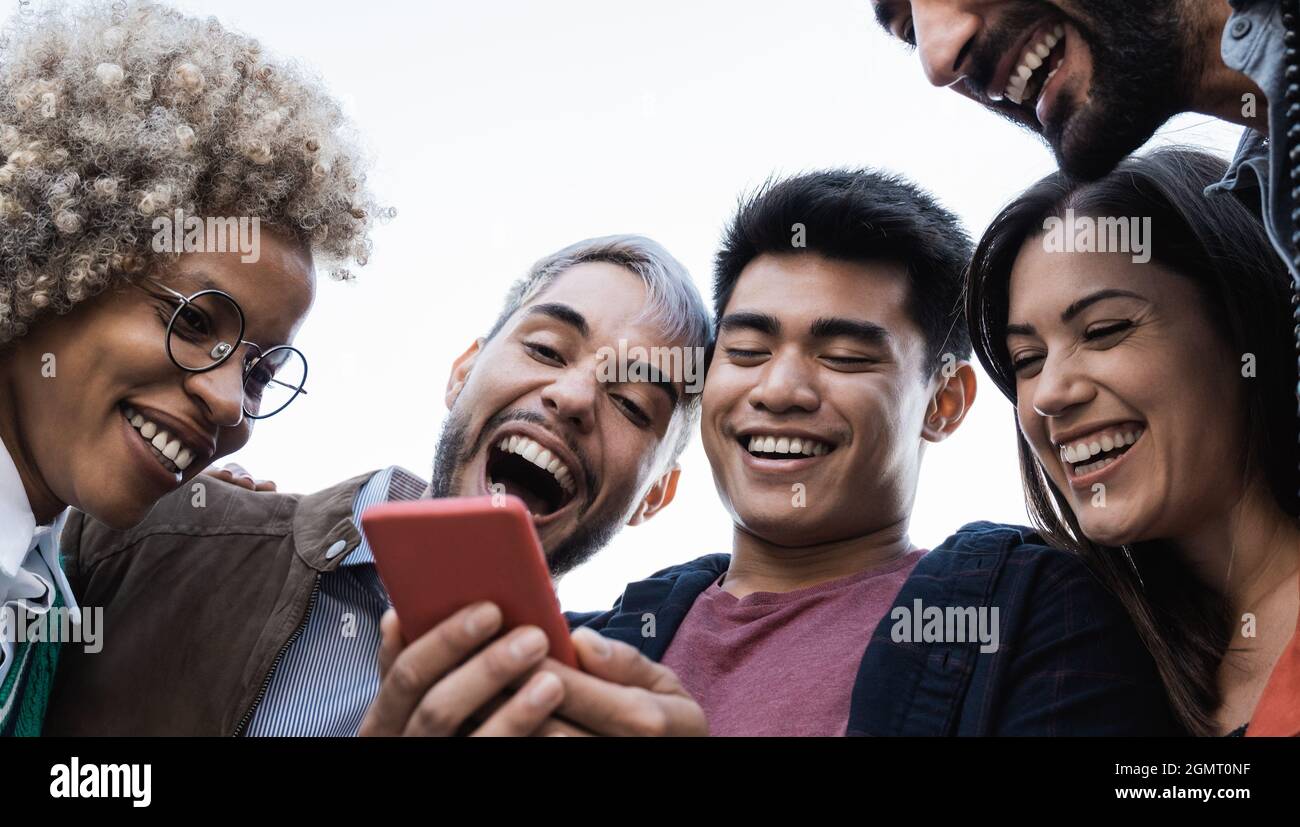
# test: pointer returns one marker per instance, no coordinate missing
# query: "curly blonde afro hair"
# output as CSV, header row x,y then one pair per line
x,y
111,115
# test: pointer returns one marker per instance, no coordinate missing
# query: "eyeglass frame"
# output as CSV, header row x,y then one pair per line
x,y
185,301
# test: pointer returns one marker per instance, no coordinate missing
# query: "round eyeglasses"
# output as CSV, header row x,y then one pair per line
x,y
207,328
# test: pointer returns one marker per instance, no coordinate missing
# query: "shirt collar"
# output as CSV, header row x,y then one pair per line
x,y
393,484
17,523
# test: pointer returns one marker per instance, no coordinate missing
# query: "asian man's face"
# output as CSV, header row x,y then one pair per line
x,y
816,400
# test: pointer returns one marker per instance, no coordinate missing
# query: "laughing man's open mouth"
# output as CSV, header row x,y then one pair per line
x,y
532,473
1038,62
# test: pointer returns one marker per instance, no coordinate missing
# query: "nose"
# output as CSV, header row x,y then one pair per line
x,y
220,393
572,396
784,386
1060,387
944,34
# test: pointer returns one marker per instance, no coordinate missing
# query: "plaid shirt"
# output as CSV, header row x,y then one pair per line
x,y
1069,661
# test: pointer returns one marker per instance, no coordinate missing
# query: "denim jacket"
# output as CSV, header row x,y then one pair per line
x,y
1253,45
1069,661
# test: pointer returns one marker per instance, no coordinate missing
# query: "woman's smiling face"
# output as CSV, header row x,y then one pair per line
x,y
1126,392
73,378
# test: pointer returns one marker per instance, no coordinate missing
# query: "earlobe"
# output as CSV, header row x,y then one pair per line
x,y
460,371
658,497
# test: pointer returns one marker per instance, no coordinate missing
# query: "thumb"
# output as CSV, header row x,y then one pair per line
x,y
390,641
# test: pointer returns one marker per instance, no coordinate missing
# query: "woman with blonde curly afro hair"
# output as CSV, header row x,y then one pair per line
x,y
140,334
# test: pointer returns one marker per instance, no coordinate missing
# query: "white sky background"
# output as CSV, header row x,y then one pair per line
x,y
503,131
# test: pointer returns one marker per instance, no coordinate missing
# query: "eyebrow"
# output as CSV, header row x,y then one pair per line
x,y
1101,295
656,379
195,282
867,333
562,313
886,14
746,320
1076,308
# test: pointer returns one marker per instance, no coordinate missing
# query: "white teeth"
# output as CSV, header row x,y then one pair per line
x,y
1094,466
1035,55
172,449
541,457
787,445
1083,451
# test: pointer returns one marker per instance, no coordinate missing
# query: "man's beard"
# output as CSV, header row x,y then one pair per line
x,y
1140,70
594,529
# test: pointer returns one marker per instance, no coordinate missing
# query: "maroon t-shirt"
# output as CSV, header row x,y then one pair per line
x,y
783,663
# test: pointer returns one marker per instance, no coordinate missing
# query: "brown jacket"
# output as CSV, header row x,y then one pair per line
x,y
200,602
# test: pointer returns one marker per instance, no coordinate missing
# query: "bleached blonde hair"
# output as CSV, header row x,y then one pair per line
x,y
114,114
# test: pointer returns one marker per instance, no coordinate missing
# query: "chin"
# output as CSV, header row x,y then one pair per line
x,y
1112,532
771,527
119,516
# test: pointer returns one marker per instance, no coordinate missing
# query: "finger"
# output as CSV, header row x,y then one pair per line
x,y
416,667
552,727
609,709
264,485
236,470
527,710
390,641
606,707
452,700
622,664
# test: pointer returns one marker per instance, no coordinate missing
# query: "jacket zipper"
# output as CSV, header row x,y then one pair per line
x,y
266,684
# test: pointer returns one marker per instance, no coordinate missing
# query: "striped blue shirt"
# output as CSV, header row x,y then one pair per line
x,y
330,674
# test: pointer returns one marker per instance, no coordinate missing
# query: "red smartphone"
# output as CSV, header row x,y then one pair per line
x,y
438,556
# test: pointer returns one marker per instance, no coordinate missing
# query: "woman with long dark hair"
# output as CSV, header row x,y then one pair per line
x,y
1143,331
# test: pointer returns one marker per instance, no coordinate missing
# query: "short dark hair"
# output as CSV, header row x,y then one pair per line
x,y
859,216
